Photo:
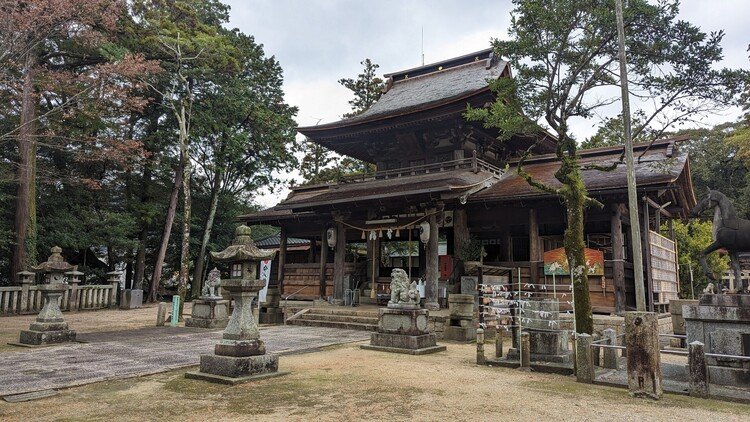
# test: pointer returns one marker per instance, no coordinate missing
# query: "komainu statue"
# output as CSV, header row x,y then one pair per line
x,y
403,292
212,282
729,232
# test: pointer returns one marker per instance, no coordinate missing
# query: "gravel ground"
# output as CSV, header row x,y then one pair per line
x,y
348,383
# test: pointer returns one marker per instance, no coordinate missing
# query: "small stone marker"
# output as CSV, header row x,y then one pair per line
x,y
698,369
644,359
596,354
499,343
610,355
480,347
585,370
175,311
525,350
161,314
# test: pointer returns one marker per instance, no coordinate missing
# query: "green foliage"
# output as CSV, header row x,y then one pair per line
x,y
470,250
692,238
367,88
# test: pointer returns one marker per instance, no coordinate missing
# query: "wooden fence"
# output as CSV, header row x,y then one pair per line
x,y
27,298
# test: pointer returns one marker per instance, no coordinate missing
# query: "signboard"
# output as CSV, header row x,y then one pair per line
x,y
663,253
556,262
265,275
175,310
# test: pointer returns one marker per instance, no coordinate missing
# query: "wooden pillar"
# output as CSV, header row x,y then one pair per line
x,y
646,241
323,261
282,260
373,267
618,257
460,239
339,259
432,270
534,248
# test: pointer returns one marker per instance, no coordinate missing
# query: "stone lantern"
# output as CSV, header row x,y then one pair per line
x,y
240,356
50,327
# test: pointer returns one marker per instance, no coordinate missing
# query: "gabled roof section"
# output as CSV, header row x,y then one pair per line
x,y
428,86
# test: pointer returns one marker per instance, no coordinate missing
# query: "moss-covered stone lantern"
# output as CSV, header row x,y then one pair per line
x,y
50,327
240,356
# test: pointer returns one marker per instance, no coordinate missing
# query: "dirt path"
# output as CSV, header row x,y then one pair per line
x,y
346,383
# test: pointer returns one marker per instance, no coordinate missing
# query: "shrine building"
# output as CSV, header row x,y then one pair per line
x,y
450,182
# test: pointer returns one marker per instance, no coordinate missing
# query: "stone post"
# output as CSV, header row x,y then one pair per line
x,y
525,350
480,346
698,369
596,354
610,355
644,360
499,342
161,314
74,279
27,279
585,370
113,278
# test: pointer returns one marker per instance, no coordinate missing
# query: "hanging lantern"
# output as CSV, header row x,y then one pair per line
x,y
424,231
331,237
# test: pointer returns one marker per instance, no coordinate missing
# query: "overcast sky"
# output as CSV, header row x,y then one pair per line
x,y
318,42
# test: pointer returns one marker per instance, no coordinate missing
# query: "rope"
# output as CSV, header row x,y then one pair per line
x,y
403,227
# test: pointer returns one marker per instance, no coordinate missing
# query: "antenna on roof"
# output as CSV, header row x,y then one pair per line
x,y
422,45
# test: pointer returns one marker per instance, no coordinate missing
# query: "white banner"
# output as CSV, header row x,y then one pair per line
x,y
265,275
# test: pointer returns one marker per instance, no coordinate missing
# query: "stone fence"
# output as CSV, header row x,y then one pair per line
x,y
27,299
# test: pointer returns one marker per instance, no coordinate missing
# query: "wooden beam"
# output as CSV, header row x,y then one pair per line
x,y
282,258
339,259
618,257
432,270
323,261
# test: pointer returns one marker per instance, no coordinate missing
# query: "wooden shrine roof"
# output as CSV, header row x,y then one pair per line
x,y
657,164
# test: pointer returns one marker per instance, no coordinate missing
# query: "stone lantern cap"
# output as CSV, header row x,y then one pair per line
x,y
55,263
242,248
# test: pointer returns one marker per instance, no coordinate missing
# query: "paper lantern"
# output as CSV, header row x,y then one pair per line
x,y
331,237
424,231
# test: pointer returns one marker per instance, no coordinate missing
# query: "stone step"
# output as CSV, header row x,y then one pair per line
x,y
340,318
340,310
334,324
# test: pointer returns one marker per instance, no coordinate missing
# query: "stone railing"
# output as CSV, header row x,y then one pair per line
x,y
27,299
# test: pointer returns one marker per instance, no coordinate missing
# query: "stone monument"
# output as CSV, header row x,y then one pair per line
x,y
240,356
547,342
722,323
210,310
461,321
50,327
402,326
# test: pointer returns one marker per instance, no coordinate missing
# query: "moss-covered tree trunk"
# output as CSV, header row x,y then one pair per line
x,y
574,194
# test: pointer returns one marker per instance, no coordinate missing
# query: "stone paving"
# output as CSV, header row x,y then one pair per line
x,y
125,354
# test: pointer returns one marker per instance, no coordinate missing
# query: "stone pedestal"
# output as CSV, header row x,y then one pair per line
x,y
644,357
722,324
209,312
131,299
678,322
270,311
50,327
547,342
403,329
240,356
460,326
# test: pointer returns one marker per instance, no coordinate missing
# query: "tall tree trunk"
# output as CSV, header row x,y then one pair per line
x,y
24,250
156,279
574,194
186,212
140,256
199,263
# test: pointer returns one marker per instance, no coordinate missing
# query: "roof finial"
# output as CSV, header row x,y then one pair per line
x,y
422,45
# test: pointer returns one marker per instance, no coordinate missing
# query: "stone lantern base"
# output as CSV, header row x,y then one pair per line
x,y
49,327
236,363
209,312
403,330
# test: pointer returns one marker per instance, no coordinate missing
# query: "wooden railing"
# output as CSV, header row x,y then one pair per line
x,y
27,298
471,163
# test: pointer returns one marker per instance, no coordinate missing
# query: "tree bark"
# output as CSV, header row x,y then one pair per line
x,y
140,256
200,261
24,250
171,211
186,212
